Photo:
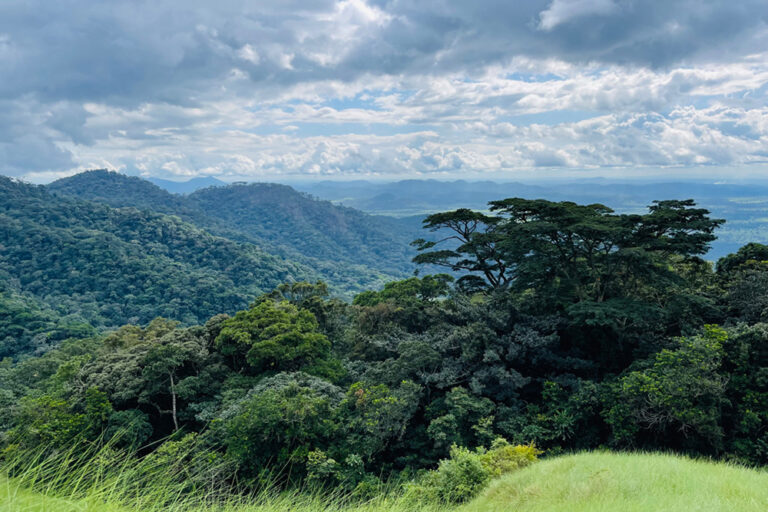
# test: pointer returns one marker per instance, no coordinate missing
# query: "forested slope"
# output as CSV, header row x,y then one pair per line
x,y
315,228
29,326
351,250
113,266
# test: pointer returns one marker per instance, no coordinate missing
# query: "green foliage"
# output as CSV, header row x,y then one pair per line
x,y
462,476
603,333
29,327
746,414
565,249
407,292
321,230
324,472
677,400
278,336
376,416
279,422
348,249
750,254
461,418
610,275
47,421
112,266
165,372
563,417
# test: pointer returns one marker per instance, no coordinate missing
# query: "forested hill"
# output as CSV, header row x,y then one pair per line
x,y
111,266
350,249
119,190
320,229
572,328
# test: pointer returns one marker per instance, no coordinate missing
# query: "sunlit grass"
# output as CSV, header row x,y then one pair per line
x,y
604,481
587,482
104,480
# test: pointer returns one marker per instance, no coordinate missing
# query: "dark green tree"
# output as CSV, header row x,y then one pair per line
x,y
277,336
279,422
676,401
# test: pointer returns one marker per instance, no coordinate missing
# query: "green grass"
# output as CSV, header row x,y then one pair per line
x,y
16,499
104,480
612,482
587,482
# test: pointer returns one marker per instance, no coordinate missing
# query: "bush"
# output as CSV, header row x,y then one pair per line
x,y
466,472
504,458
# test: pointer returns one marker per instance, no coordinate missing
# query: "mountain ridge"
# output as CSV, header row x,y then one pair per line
x,y
350,249
111,266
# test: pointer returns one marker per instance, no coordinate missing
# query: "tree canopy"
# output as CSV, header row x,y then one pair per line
x,y
567,327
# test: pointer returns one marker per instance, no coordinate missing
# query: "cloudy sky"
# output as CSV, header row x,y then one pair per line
x,y
382,88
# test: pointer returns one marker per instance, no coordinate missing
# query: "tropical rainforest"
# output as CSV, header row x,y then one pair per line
x,y
179,333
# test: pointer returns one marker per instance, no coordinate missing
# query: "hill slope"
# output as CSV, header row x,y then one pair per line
x,y
350,249
119,190
111,266
320,229
592,482
28,326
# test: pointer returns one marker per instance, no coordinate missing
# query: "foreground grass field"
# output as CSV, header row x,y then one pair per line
x,y
588,482
603,482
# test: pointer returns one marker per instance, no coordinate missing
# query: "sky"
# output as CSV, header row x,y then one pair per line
x,y
280,89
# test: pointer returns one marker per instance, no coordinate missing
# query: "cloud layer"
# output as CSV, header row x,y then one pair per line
x,y
356,87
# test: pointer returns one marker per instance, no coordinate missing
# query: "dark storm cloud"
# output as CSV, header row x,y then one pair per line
x,y
175,51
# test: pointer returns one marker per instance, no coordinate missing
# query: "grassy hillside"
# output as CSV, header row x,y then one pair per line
x,y
587,482
592,482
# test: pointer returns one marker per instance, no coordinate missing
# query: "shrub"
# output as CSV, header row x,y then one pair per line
x,y
504,458
466,472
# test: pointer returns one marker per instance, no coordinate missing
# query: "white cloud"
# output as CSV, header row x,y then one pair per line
x,y
259,89
564,11
247,53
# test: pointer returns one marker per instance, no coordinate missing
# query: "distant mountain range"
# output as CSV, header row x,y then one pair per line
x,y
744,206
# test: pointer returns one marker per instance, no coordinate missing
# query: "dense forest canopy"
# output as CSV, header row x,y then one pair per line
x,y
105,249
112,266
567,326
275,218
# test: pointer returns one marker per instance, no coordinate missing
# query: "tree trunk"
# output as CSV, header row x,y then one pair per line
x,y
173,406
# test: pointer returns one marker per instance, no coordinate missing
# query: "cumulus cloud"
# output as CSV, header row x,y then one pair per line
x,y
349,87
